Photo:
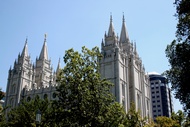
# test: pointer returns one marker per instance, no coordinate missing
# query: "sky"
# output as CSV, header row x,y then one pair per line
x,y
73,24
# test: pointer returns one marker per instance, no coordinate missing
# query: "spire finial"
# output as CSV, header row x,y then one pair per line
x,y
111,29
26,39
58,66
110,17
45,36
25,49
44,51
123,17
59,60
135,47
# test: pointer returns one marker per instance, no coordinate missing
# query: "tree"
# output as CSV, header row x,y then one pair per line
x,y
84,98
2,94
183,15
116,116
134,119
2,116
163,121
25,114
178,54
179,117
186,122
179,59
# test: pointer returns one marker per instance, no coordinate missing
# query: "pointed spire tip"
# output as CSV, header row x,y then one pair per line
x,y
123,17
45,37
111,17
26,39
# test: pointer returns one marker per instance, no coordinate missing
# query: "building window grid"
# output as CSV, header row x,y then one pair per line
x,y
157,102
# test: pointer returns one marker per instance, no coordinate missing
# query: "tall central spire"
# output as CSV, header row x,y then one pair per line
x,y
111,28
44,51
58,66
25,49
124,35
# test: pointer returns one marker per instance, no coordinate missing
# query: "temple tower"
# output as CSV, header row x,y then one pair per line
x,y
44,71
122,65
19,77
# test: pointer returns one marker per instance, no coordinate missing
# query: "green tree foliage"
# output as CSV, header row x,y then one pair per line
x,y
2,117
84,98
2,94
183,15
25,114
116,116
181,118
178,54
186,122
163,121
134,119
179,59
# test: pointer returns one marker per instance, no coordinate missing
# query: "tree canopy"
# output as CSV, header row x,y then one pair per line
x,y
178,54
133,118
163,121
84,98
25,114
2,117
183,15
2,94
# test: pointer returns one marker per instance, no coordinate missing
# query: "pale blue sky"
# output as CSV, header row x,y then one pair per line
x,y
73,24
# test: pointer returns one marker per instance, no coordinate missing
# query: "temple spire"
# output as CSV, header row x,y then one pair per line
x,y
58,67
124,35
111,28
44,51
135,48
25,49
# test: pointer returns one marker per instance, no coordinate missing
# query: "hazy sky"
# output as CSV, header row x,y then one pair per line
x,y
73,24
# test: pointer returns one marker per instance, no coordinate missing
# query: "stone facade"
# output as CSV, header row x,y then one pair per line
x,y
122,65
27,80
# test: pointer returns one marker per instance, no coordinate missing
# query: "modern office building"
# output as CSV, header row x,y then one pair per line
x,y
121,65
161,96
